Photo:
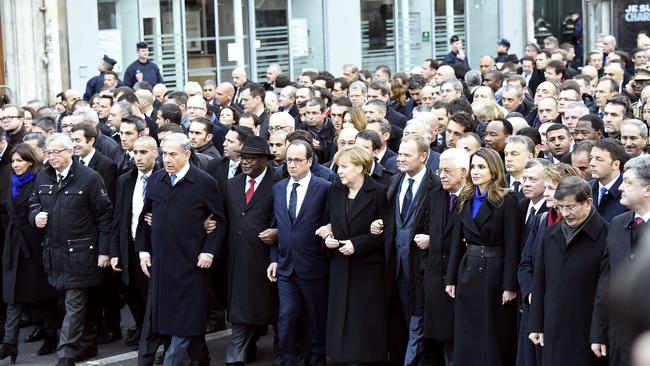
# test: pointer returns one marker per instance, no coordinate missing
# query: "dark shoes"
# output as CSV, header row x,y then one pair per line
x,y
36,336
109,336
48,346
132,337
8,350
86,354
65,362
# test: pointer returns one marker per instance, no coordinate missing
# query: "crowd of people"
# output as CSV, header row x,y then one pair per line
x,y
442,216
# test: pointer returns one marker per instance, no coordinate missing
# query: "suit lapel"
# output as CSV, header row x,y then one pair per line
x,y
465,217
239,195
483,214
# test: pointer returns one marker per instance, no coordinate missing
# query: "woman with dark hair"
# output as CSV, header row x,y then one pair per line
x,y
24,282
229,116
398,94
482,271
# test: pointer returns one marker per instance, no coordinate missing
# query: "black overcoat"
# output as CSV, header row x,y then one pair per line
x,y
178,287
252,298
23,278
485,331
356,316
438,305
564,287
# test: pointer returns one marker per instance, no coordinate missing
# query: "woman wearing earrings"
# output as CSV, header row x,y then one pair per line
x,y
482,272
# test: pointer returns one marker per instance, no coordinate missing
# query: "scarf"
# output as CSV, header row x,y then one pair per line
x,y
20,181
571,232
553,216
477,202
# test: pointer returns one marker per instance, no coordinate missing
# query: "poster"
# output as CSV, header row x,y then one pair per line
x,y
299,37
630,17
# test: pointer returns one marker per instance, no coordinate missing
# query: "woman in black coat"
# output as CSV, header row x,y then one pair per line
x,y
482,272
356,317
24,282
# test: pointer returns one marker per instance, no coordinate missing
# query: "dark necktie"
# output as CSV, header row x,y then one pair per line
x,y
453,199
293,202
603,193
59,178
408,198
250,191
82,161
531,214
516,186
638,221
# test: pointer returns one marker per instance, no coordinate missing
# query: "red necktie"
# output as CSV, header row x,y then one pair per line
x,y
250,191
639,221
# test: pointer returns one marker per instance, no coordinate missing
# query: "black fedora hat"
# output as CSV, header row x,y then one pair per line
x,y
255,145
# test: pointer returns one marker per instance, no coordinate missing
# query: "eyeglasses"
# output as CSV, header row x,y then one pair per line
x,y
247,157
54,153
569,208
295,161
9,118
276,128
446,171
194,108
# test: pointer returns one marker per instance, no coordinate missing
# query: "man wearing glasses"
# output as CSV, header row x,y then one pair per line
x,y
566,276
71,205
12,123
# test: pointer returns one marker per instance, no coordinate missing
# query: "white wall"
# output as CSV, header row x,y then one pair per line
x,y
343,27
513,25
82,42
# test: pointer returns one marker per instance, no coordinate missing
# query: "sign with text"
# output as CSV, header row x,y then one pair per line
x,y
630,17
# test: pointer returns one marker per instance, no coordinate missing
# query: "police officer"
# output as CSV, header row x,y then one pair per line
x,y
142,68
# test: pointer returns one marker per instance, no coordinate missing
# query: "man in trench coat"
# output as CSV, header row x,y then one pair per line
x,y
175,252
252,298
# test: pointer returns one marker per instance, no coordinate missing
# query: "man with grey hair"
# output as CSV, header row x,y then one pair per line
x,y
179,198
572,114
513,99
517,152
623,245
634,136
451,89
533,189
106,145
287,101
72,207
418,127
358,93
438,306
281,121
272,73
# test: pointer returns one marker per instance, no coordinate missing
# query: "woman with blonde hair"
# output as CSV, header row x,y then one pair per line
x,y
354,117
357,328
488,111
482,271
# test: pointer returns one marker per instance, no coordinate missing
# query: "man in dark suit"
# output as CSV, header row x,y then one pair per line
x,y
533,202
380,90
377,110
407,202
383,129
298,263
371,141
608,337
252,99
228,166
435,239
517,152
84,137
252,299
607,158
130,129
131,187
179,198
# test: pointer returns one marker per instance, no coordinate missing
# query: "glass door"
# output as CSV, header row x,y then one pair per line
x,y
271,35
378,33
200,40
233,38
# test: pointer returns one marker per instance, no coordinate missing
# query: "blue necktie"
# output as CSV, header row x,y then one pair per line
x,y
293,202
144,179
408,198
603,193
173,178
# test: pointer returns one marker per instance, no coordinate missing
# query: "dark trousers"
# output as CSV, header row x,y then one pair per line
x,y
44,316
77,331
135,293
528,354
415,323
297,295
104,303
243,337
440,352
197,349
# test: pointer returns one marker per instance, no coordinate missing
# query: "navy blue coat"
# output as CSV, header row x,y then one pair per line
x,y
179,289
611,205
299,251
149,70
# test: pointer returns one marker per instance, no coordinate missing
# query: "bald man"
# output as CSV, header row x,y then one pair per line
x,y
240,81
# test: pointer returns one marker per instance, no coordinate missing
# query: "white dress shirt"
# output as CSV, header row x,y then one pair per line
x,y
301,191
64,172
86,160
608,186
137,201
232,168
417,179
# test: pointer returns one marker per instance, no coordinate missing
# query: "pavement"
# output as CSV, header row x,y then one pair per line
x,y
117,353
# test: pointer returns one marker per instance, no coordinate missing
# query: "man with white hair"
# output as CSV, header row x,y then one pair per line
x,y
438,306
281,121
272,73
159,91
104,144
572,114
193,88
634,136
